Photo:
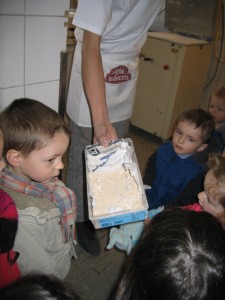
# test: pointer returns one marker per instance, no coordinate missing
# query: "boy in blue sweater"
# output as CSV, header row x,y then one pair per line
x,y
175,172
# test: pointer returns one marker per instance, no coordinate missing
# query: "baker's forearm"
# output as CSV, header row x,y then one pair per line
x,y
93,78
94,86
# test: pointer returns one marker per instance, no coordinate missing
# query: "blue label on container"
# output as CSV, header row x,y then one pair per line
x,y
122,219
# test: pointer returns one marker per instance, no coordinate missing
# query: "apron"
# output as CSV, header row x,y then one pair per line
x,y
121,73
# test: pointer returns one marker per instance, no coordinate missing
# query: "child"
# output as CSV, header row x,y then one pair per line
x,y
217,109
9,270
211,200
175,172
36,286
181,256
35,139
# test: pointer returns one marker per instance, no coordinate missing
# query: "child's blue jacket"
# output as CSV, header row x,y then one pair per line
x,y
172,174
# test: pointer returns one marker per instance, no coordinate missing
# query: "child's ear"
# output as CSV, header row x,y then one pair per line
x,y
202,147
13,157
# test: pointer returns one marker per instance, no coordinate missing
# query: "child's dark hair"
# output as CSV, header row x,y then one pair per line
x,y
181,256
38,287
28,124
201,119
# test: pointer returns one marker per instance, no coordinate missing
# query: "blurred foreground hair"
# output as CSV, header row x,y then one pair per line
x,y
180,257
38,287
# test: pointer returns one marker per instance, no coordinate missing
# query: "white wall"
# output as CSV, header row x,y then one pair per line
x,y
32,35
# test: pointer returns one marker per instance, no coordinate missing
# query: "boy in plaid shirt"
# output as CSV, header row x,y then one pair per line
x,y
35,139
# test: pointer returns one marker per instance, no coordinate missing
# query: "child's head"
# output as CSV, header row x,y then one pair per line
x,y
212,199
180,256
217,106
35,139
192,131
35,286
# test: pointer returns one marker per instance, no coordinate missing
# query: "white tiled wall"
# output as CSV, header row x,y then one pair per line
x,y
11,51
7,95
12,7
42,51
45,92
47,7
32,35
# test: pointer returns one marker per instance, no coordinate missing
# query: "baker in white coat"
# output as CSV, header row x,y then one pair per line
x,y
110,35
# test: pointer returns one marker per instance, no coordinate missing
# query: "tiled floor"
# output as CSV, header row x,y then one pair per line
x,y
95,278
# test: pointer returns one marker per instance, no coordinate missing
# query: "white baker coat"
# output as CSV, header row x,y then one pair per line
x,y
123,27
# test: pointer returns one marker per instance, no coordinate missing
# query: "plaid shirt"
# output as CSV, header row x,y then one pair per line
x,y
54,190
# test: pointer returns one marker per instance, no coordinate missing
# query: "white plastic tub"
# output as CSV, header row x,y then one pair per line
x,y
104,161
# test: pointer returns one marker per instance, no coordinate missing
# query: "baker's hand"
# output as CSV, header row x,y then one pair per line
x,y
120,239
104,134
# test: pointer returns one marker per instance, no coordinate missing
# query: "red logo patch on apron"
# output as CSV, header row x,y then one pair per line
x,y
118,75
